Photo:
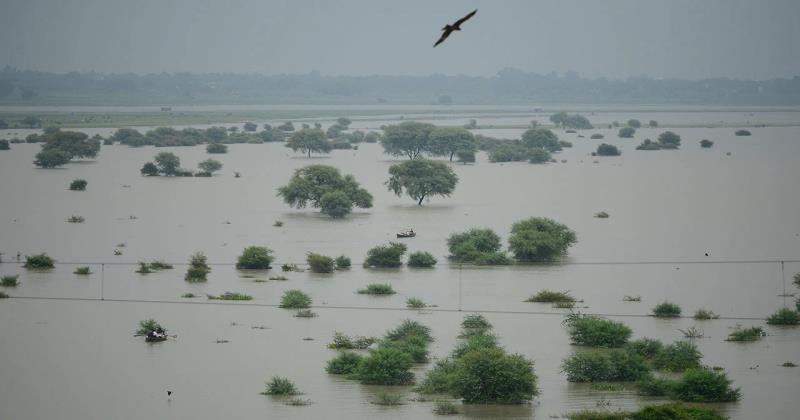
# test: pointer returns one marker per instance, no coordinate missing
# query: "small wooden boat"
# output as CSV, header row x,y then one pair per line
x,y
408,233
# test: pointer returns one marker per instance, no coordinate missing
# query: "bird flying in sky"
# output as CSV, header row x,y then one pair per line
x,y
448,29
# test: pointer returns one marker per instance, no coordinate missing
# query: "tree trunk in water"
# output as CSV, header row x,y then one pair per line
x,y
451,156
309,152
419,203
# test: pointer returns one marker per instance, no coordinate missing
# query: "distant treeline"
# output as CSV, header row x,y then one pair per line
x,y
509,86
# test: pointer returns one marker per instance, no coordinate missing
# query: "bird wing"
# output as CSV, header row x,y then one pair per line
x,y
465,18
444,36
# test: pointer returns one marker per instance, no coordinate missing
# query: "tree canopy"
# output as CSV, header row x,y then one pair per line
x,y
323,187
407,139
447,141
309,140
542,138
421,178
168,163
540,239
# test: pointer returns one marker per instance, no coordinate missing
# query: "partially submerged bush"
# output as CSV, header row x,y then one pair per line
x,y
674,411
445,408
644,347
597,332
606,149
540,239
549,296
345,363
82,271
677,357
421,259
706,143
386,256
342,262
784,316
305,313
279,385
704,385
386,366
386,399
295,299
489,375
377,289
320,263
746,334
78,185
76,219
39,262
409,328
217,148
231,296
255,258
415,303
150,326
198,268
9,281
742,132
667,310
345,342
604,366
704,314
475,245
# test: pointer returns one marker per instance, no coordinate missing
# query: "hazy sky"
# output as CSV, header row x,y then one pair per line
x,y
752,39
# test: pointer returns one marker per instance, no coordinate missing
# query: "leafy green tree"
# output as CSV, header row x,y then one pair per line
x,y
273,134
653,123
669,140
168,163
407,139
446,141
489,375
421,259
52,158
334,131
509,151
421,178
706,143
477,246
125,135
559,118
386,366
386,256
542,138
149,169
209,166
540,239
372,137
76,144
255,258
626,132
309,140
634,123
311,184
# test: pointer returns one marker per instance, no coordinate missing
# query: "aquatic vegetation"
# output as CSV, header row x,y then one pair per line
x,y
291,267
473,342
342,262
295,299
78,185
386,256
198,268
564,305
644,347
669,140
150,325
230,296
596,136
538,155
667,310
677,357
9,281
82,271
305,313
76,219
377,289
651,412
421,259
320,263
144,268
386,399
188,295
277,223
475,245
742,133
407,329
704,385
342,341
39,262
549,296
3,295
386,366
255,258
540,239
216,148
279,385
784,316
626,132
648,144
692,332
298,402
606,149
746,334
279,278
475,322
706,143
160,265
598,415
597,332
415,303
601,215
445,408
629,298
323,187
604,366
611,387
704,314
788,364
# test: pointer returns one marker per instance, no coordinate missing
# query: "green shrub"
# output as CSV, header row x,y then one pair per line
x,y
677,357
746,334
669,140
3,295
386,256
386,366
160,265
676,411
255,258
415,303
706,143
489,375
342,262
537,155
475,322
704,314
198,268
345,363
606,149
598,415
549,296
648,144
216,148
39,262
604,366
742,132
784,316
377,289
415,346
644,347
469,246
386,399
305,313
9,281
150,325
492,258
409,328
76,219
82,271
440,379
705,385
475,342
540,239
421,259
144,268
295,299
280,386
445,408
231,296
653,386
320,263
188,295
667,310
78,185
597,332
342,341
626,132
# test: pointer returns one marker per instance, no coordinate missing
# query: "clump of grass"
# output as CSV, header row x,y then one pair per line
x,y
476,322
603,386
601,215
746,334
644,347
39,262
386,399
421,259
230,296
82,271
445,408
789,364
784,316
549,296
667,310
564,305
607,366
343,262
704,314
160,265
291,267
78,185
9,281
298,402
692,332
677,357
198,268
188,295
320,263
279,385
305,313
345,363
279,278
629,298
144,268
415,303
295,299
377,289
278,223
76,219
3,295
342,341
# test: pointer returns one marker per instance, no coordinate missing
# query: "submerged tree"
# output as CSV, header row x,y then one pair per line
x,y
407,139
168,163
540,239
447,141
309,140
421,178
541,138
323,187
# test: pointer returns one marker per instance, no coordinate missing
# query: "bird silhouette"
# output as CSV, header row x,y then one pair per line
x,y
448,29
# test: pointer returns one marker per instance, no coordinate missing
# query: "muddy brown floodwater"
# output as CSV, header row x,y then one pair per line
x,y
66,354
